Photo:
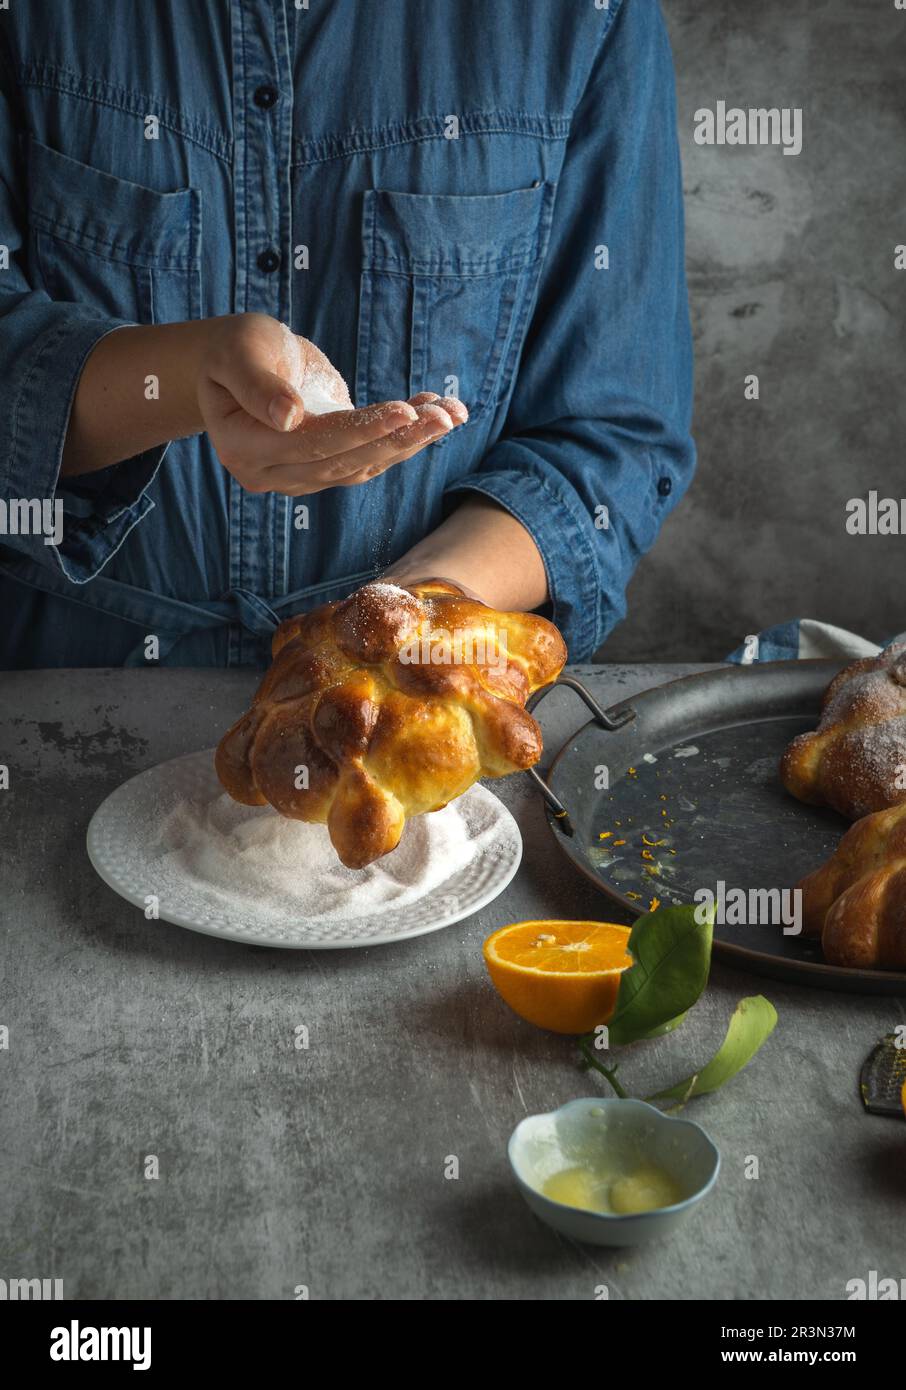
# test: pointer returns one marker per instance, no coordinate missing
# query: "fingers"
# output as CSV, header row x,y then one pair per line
x,y
346,431
258,424
266,396
259,366
252,450
454,407
358,465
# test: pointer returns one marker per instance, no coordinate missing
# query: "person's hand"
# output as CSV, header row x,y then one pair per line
x,y
250,384
403,581
484,551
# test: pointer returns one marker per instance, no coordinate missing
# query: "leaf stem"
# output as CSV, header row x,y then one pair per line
x,y
609,1072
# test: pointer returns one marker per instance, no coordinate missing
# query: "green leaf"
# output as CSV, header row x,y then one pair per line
x,y
751,1025
667,1027
672,952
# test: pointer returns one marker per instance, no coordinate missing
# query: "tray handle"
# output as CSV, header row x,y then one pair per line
x,y
606,719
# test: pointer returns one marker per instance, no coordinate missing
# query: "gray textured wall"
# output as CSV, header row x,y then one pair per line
x,y
791,276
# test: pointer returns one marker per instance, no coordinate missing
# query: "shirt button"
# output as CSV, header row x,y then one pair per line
x,y
664,487
265,97
269,260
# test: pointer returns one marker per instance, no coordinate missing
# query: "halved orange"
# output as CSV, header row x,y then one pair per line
x,y
564,976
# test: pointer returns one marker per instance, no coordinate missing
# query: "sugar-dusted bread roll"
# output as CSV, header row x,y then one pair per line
x,y
855,761
387,705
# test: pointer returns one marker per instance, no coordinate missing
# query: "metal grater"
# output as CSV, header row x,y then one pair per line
x,y
883,1077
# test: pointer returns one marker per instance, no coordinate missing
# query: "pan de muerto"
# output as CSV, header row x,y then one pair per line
x,y
387,705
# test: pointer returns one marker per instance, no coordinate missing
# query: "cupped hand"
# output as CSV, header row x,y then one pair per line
x,y
250,393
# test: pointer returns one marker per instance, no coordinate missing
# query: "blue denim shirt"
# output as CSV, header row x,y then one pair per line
x,y
480,196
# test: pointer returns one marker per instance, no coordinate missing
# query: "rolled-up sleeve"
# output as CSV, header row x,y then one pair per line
x,y
596,449
43,347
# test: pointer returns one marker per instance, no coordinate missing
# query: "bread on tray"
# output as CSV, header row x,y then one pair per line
x,y
855,761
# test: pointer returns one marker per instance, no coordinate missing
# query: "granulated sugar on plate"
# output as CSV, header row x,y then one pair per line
x,y
273,871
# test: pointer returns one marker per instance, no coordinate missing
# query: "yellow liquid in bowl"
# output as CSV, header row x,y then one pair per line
x,y
647,1188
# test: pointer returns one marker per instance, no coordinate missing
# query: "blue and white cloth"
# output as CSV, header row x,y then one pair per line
x,y
806,637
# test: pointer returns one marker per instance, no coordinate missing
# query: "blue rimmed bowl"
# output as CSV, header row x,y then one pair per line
x,y
620,1135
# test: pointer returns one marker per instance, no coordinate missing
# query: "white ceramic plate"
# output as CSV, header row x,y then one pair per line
x,y
130,818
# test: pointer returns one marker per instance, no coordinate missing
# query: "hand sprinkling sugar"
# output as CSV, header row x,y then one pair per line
x,y
280,418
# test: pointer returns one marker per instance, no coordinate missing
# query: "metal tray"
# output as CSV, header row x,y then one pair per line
x,y
693,764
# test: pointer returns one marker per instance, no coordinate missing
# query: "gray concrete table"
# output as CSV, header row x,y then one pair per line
x,y
326,1168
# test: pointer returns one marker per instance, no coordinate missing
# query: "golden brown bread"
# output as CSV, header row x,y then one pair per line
x,y
387,705
855,761
856,901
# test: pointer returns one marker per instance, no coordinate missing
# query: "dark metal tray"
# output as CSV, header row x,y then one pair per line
x,y
721,810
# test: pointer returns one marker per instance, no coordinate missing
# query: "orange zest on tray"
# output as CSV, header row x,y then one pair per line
x,y
563,976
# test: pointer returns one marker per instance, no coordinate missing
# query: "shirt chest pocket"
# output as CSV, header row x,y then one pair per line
x,y
101,241
447,288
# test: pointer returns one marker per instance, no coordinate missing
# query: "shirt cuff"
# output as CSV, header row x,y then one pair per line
x,y
98,509
562,531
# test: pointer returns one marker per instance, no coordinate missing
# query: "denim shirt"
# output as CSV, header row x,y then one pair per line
x,y
474,197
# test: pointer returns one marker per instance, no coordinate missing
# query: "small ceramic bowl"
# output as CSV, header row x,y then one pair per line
x,y
621,1133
